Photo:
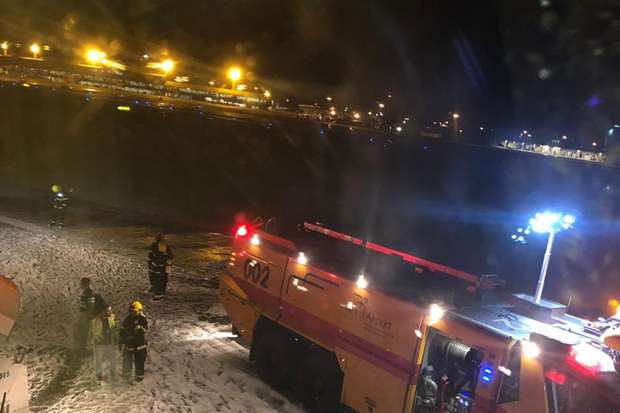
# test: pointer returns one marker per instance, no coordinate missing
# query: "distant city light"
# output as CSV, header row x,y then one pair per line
x,y
167,65
399,128
5,47
123,108
95,56
35,49
456,115
593,143
356,115
328,98
234,73
381,105
267,94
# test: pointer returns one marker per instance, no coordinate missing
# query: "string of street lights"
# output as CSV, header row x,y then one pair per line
x,y
97,58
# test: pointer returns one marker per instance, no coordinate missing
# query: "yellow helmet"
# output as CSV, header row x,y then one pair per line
x,y
136,306
55,188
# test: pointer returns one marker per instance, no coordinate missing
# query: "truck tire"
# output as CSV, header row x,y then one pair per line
x,y
318,382
272,355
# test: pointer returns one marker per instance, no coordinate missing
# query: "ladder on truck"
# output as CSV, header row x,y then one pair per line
x,y
474,281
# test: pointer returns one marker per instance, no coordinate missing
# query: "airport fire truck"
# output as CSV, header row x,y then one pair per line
x,y
347,324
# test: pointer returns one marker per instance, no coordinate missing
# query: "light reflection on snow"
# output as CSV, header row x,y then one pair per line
x,y
209,335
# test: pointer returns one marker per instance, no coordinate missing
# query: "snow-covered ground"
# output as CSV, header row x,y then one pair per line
x,y
192,365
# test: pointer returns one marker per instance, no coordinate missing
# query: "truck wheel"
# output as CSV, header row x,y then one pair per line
x,y
319,383
272,358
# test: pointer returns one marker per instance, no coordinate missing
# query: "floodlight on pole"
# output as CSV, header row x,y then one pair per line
x,y
234,74
95,56
548,223
167,66
35,49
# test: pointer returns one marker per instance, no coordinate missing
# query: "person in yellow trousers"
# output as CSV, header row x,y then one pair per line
x,y
104,339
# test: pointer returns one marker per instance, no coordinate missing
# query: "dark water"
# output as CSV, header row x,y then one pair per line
x,y
453,203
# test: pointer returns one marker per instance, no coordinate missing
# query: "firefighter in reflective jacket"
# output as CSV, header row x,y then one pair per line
x,y
132,342
160,263
60,202
103,337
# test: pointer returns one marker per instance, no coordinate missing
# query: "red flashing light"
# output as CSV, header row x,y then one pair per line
x,y
589,360
556,377
242,231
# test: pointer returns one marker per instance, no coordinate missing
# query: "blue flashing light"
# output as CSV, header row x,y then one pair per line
x,y
487,375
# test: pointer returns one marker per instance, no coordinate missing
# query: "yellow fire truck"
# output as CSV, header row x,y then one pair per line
x,y
350,325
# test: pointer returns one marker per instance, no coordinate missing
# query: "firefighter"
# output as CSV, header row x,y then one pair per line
x,y
104,338
159,263
86,307
60,202
132,342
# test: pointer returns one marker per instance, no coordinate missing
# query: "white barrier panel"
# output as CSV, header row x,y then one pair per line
x,y
14,387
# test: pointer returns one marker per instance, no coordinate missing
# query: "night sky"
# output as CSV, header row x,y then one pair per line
x,y
510,65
